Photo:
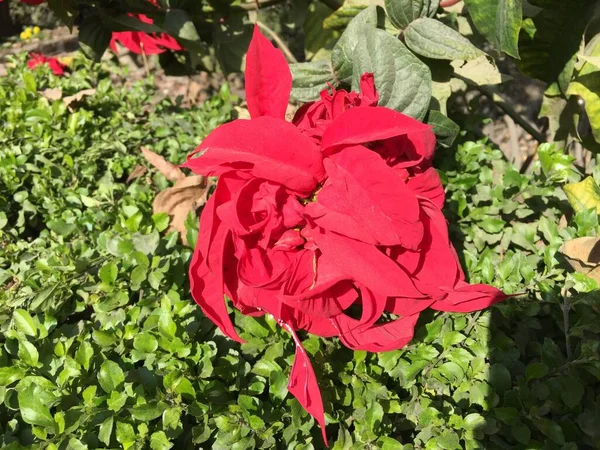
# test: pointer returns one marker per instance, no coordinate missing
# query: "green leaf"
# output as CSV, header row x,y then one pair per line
x,y
448,440
474,421
551,429
145,342
317,39
125,434
341,17
559,31
108,273
178,24
24,322
403,12
29,82
8,375
535,370
499,21
110,376
521,432
572,390
94,37
309,79
402,80
432,39
444,128
159,441
588,88
28,353
34,404
492,225
500,378
61,227
161,221
106,431
480,71
167,326
147,412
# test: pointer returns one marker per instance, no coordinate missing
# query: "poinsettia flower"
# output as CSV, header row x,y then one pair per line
x,y
338,209
37,59
144,43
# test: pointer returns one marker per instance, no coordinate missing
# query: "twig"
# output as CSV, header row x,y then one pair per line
x,y
145,59
284,48
501,103
565,309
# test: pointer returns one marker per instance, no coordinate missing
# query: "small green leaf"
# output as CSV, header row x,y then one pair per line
x,y
161,221
8,375
432,39
145,342
110,376
448,440
106,431
444,128
147,412
167,326
125,434
108,273
551,429
535,370
309,79
24,322
159,441
28,353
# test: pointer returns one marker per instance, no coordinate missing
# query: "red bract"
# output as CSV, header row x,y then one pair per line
x,y
338,210
36,59
144,43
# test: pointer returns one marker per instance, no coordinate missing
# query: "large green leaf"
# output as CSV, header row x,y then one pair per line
x,y
34,404
309,79
559,30
403,12
402,80
316,36
499,21
94,37
588,88
432,39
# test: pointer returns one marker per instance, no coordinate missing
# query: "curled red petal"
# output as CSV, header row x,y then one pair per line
x,y
266,148
367,124
354,260
365,199
303,384
470,297
377,338
268,78
428,185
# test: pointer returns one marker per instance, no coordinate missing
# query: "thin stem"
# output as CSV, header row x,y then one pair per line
x,y
501,103
565,309
284,48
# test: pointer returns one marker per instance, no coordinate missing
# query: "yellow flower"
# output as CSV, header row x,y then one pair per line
x,y
36,30
26,34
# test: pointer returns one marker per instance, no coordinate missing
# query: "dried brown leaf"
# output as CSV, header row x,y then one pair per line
x,y
71,100
178,201
169,170
52,94
137,172
583,254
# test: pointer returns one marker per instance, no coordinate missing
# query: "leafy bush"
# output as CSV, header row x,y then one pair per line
x,y
103,347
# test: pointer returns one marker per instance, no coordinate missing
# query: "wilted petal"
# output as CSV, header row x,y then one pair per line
x,y
377,338
470,297
264,147
268,78
365,199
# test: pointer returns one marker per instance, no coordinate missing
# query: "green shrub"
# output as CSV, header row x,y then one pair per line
x,y
104,348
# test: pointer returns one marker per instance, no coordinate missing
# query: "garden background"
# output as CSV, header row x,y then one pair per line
x,y
101,343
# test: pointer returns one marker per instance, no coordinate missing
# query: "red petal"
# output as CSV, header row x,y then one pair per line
x,y
268,78
266,148
468,298
207,286
303,384
378,338
354,260
367,124
365,199
428,185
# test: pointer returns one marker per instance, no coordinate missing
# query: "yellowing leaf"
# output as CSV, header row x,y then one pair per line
x,y
588,88
583,195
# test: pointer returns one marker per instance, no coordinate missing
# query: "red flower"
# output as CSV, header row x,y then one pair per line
x,y
139,43
36,59
340,208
